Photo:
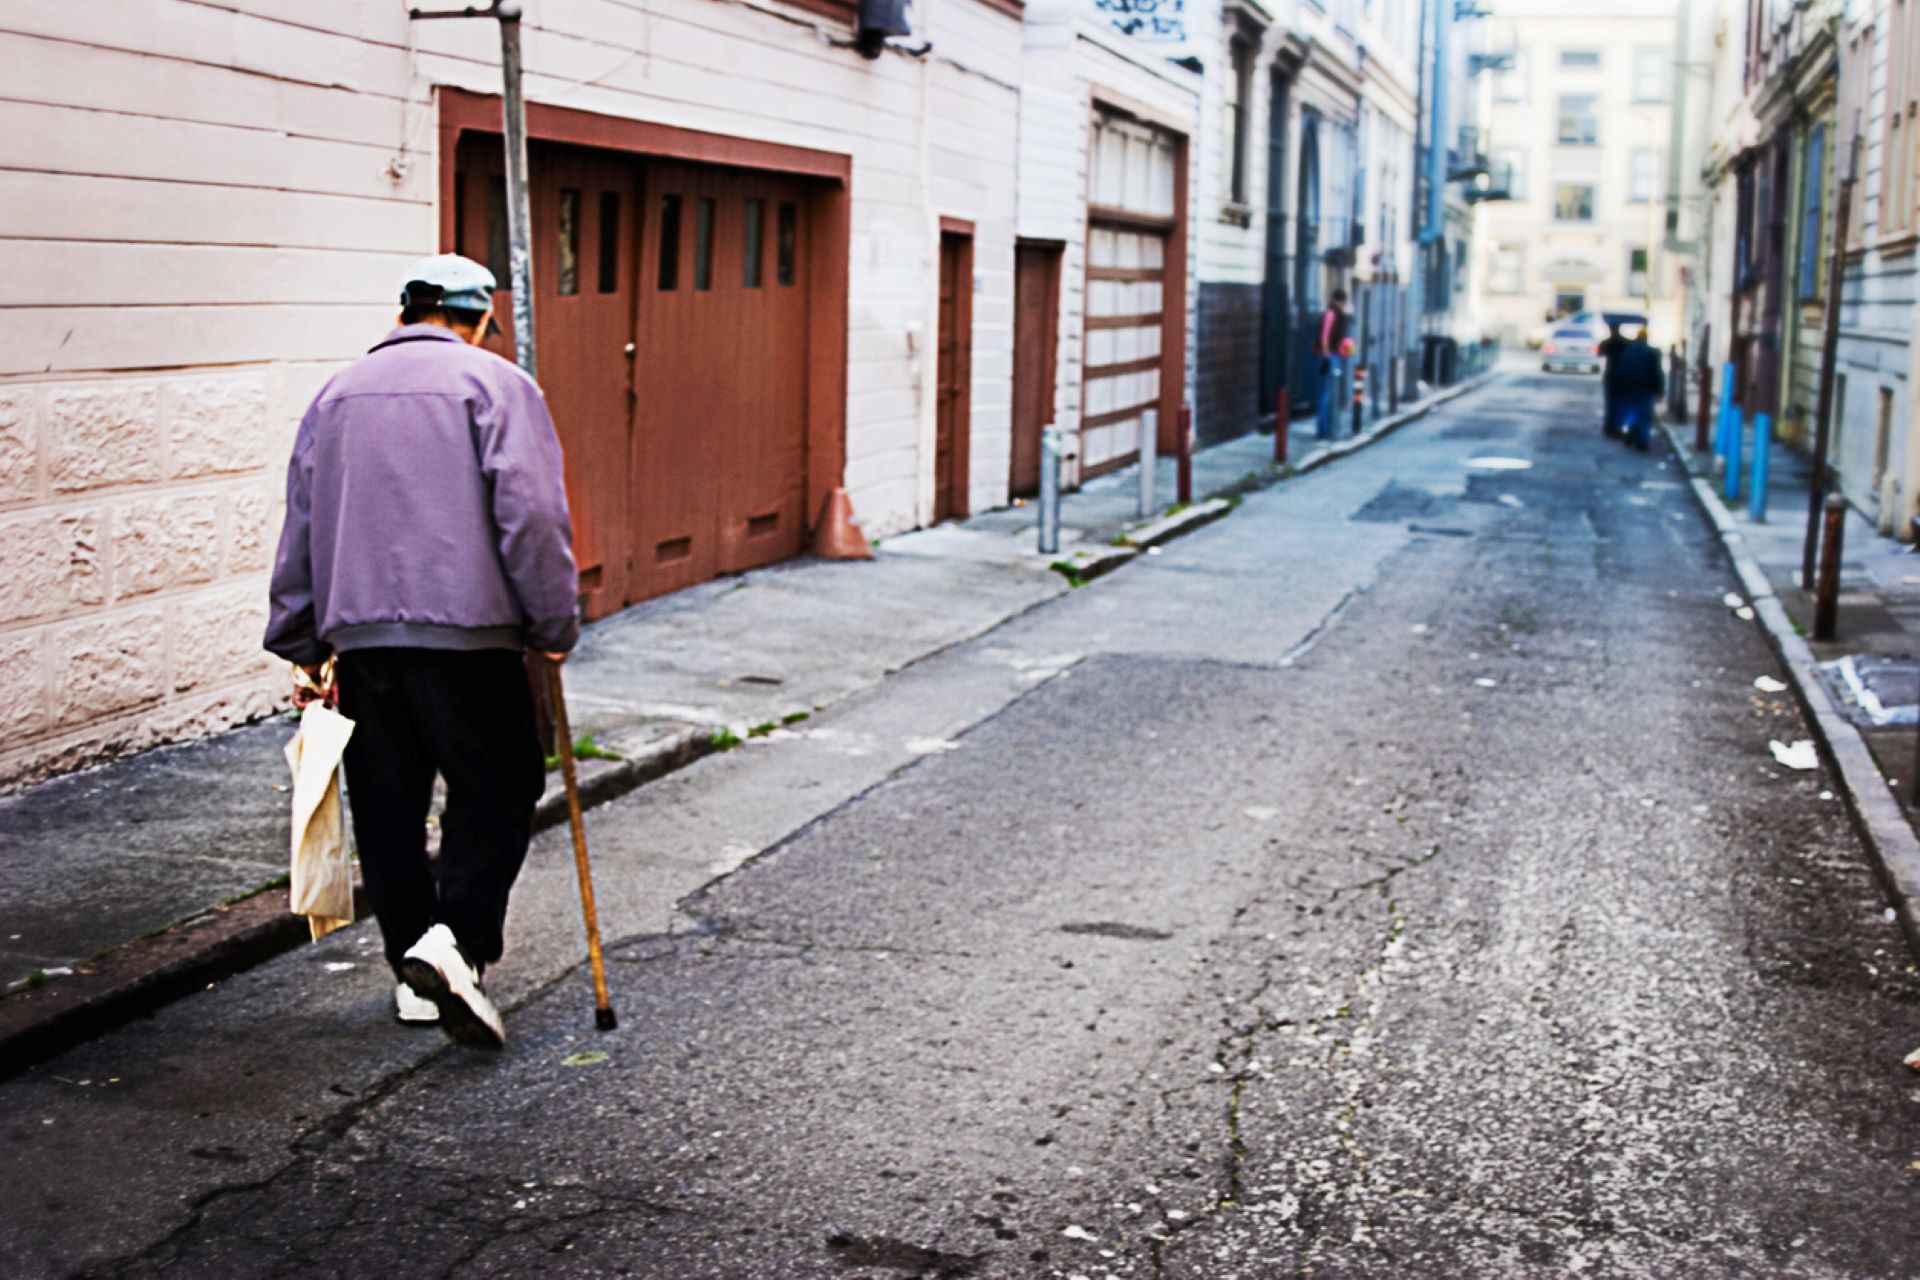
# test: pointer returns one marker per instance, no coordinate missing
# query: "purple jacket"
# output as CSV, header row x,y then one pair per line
x,y
426,508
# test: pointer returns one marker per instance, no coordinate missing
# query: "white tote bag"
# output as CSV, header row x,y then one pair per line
x,y
322,872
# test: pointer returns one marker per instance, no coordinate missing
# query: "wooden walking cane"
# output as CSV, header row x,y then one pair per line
x,y
563,734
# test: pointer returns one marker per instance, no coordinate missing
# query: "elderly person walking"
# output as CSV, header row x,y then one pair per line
x,y
427,546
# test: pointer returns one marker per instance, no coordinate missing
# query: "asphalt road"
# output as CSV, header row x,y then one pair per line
x,y
1392,879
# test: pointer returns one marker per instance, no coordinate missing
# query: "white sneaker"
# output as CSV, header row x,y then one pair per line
x,y
436,970
413,1011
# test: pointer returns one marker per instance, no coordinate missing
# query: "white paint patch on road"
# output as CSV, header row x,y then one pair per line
x,y
1495,463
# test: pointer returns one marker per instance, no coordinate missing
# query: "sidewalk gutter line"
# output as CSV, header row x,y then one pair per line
x,y
143,975
1871,805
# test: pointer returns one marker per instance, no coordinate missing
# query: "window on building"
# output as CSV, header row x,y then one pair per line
x,y
1743,228
1813,188
1643,169
1507,273
1511,85
1573,202
1652,70
1636,273
1856,68
1509,166
1900,145
1579,59
1239,91
1579,120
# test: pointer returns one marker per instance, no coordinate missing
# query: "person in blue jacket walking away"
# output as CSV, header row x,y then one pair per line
x,y
427,547
1639,380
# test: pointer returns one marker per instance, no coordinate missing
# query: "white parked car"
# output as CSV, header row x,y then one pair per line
x,y
1572,348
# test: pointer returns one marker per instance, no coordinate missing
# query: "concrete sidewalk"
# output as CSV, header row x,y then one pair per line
x,y
181,849
1870,740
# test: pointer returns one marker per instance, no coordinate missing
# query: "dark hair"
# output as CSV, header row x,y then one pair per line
x,y
1339,295
421,301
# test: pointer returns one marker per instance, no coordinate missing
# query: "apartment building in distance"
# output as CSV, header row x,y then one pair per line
x,y
1579,123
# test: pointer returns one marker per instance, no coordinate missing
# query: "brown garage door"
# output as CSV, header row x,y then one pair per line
x,y
671,304
719,464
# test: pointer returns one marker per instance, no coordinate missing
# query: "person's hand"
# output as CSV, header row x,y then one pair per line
x,y
555,658
313,688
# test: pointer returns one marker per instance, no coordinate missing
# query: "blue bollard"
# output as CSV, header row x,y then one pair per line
x,y
1762,451
1736,433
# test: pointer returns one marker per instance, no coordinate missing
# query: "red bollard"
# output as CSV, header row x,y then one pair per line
x,y
1185,471
1704,411
1281,429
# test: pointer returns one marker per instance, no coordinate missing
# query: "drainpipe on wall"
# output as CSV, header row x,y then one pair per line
x,y
1436,222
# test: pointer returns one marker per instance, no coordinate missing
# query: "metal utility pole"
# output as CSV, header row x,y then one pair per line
x,y
519,205
1829,350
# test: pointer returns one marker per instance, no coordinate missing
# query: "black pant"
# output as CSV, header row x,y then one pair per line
x,y
467,716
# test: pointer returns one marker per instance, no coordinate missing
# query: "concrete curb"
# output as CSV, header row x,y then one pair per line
x,y
141,976
1873,809
1177,525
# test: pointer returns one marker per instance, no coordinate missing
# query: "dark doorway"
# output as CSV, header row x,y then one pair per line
x,y
1303,376
1275,296
954,404
1036,334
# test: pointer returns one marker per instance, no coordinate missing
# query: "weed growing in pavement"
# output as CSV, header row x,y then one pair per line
x,y
762,729
585,748
724,739
1070,571
38,978
794,717
281,881
1178,507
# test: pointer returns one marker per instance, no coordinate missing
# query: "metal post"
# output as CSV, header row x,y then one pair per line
x,y
1829,349
1700,440
519,206
1762,455
513,111
1149,460
1359,394
1282,427
1049,512
1826,596
1183,473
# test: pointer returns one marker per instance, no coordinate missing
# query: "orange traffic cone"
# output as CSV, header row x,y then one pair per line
x,y
836,535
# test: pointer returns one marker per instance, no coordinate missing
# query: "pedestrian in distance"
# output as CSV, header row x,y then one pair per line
x,y
1331,346
1640,380
427,546
1610,346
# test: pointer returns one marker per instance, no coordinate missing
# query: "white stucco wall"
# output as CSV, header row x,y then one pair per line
x,y
202,213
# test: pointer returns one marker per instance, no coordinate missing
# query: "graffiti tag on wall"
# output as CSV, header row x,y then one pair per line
x,y
1157,22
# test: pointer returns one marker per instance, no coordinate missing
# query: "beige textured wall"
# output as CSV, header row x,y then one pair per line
x,y
136,516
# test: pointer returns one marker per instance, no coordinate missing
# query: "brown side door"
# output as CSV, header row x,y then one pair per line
x,y
585,209
719,460
1036,330
953,406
